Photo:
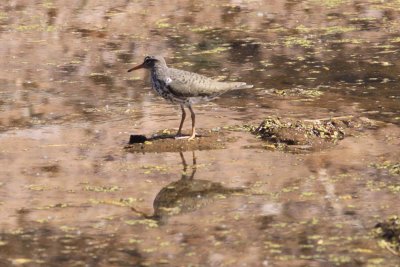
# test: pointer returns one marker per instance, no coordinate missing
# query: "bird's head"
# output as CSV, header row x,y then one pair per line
x,y
150,62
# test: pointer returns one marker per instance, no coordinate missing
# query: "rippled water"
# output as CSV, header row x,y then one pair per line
x,y
71,195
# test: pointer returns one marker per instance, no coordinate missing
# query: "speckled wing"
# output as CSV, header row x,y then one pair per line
x,y
189,84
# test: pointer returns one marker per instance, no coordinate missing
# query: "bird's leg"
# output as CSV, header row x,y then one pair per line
x,y
193,135
179,133
184,164
194,165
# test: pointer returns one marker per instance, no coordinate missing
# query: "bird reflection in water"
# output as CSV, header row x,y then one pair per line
x,y
187,194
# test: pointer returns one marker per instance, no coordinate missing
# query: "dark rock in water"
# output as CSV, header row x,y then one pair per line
x,y
389,232
137,139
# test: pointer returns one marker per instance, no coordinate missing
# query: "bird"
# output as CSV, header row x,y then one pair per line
x,y
184,88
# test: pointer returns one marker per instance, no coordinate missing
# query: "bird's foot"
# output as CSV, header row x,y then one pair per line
x,y
189,138
177,137
180,136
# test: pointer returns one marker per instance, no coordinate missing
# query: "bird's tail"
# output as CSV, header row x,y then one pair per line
x,y
241,85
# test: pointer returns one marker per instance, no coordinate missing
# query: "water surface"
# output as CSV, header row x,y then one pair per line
x,y
71,195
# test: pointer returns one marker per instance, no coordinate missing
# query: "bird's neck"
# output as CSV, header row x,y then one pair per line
x,y
159,70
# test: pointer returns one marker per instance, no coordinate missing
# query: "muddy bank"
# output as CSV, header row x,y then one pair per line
x,y
309,135
166,142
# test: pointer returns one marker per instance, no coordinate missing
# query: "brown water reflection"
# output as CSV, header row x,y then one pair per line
x,y
186,195
68,107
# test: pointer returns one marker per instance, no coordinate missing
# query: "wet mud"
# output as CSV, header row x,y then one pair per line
x,y
166,142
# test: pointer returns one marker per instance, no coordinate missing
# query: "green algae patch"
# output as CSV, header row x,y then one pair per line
x,y
338,29
3,15
104,188
291,41
393,168
35,27
147,222
36,187
112,202
388,233
201,29
298,92
162,24
330,3
215,50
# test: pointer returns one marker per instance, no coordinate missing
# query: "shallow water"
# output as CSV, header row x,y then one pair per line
x,y
71,195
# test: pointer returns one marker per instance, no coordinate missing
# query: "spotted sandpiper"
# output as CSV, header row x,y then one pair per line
x,y
183,87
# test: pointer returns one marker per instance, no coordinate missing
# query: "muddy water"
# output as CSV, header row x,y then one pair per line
x,y
72,195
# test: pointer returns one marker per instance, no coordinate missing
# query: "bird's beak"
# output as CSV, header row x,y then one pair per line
x,y
137,67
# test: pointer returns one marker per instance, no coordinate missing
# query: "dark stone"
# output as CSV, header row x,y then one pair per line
x,y
137,138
